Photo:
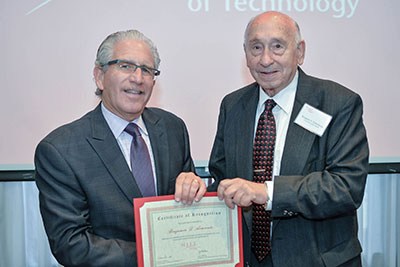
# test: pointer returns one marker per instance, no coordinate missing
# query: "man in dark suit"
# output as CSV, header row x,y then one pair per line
x,y
319,151
83,169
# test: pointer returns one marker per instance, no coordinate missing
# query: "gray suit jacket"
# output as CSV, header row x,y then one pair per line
x,y
322,179
86,187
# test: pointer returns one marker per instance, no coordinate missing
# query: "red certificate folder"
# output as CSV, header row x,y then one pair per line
x,y
140,202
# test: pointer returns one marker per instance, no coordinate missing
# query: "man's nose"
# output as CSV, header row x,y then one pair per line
x,y
136,76
266,58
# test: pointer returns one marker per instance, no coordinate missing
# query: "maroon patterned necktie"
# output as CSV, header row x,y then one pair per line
x,y
263,161
140,162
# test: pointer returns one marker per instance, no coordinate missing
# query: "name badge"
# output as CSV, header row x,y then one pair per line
x,y
313,120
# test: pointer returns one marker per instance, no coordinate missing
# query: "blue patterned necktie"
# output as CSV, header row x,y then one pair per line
x,y
140,162
263,162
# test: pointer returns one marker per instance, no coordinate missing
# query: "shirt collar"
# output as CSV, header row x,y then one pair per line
x,y
284,99
118,125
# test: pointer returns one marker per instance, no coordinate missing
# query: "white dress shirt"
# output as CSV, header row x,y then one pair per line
x,y
124,139
282,112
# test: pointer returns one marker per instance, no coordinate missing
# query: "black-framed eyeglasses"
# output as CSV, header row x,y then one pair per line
x,y
130,67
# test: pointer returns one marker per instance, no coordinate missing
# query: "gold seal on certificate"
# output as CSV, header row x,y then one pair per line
x,y
169,233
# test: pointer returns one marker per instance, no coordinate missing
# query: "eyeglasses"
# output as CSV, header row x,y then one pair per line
x,y
130,67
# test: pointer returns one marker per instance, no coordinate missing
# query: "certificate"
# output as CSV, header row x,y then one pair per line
x,y
206,233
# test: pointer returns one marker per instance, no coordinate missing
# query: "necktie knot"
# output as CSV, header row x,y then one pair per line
x,y
270,104
132,129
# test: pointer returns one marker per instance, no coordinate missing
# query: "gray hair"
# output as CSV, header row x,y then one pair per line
x,y
106,49
297,36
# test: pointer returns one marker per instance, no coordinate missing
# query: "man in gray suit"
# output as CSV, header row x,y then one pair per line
x,y
83,169
320,155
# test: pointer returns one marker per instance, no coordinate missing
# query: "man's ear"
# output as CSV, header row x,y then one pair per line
x,y
98,74
301,52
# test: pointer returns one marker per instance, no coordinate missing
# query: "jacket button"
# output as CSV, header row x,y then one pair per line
x,y
285,212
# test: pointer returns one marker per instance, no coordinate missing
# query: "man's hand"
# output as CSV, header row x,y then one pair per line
x,y
241,192
189,187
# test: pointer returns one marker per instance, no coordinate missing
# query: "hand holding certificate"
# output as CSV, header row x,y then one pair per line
x,y
171,234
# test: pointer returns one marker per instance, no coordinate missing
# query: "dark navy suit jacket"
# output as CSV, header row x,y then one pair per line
x,y
86,187
322,179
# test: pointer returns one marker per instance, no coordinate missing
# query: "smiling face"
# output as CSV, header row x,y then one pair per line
x,y
272,54
126,94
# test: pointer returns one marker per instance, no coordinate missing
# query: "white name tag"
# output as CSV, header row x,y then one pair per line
x,y
313,120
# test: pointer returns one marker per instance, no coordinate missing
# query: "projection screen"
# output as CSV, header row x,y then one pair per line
x,y
48,53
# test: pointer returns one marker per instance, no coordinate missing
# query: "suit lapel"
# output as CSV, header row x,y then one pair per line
x,y
159,145
107,148
299,140
244,133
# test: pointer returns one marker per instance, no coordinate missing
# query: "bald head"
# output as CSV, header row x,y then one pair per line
x,y
283,21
